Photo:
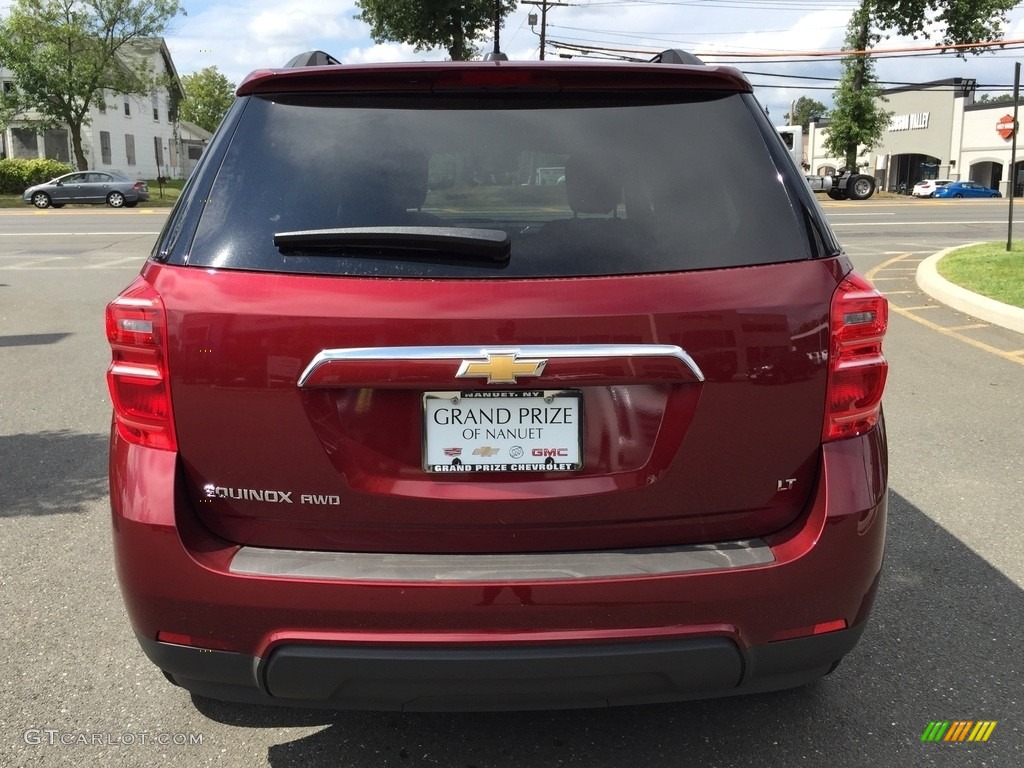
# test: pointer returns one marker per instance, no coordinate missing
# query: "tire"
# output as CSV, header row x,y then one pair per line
x,y
115,200
131,205
860,187
41,200
957,195
836,194
58,205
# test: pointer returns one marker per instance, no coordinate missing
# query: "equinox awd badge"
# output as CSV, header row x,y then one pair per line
x,y
212,491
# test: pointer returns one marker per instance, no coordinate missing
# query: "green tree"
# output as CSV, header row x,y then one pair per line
x,y
951,21
857,118
65,54
803,110
208,96
450,24
988,98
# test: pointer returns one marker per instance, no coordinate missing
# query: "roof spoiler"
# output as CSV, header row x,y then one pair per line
x,y
677,56
312,59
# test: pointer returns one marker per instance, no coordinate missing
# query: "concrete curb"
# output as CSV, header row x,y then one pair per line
x,y
931,282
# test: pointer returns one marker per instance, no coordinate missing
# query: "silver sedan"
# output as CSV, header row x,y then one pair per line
x,y
89,187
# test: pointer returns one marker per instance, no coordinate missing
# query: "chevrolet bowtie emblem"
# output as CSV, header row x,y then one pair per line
x,y
500,368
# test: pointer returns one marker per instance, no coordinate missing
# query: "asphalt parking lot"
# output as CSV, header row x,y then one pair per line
x,y
944,642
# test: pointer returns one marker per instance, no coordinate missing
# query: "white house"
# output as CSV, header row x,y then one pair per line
x,y
134,134
192,141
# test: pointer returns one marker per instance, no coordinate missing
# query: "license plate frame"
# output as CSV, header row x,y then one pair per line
x,y
545,436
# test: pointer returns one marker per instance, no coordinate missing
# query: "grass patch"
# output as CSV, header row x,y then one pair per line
x,y
172,191
988,269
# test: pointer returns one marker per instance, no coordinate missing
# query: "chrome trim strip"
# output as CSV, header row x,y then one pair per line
x,y
541,566
460,353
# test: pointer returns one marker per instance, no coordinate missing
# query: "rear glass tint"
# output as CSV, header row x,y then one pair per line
x,y
582,185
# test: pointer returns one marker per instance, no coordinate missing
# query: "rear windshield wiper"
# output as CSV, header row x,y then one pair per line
x,y
483,244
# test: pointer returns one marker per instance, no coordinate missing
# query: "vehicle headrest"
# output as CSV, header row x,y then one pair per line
x,y
593,184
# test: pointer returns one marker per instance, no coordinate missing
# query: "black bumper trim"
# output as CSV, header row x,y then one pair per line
x,y
531,677
502,678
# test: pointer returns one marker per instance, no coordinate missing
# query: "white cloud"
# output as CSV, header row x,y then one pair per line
x,y
294,23
240,37
384,52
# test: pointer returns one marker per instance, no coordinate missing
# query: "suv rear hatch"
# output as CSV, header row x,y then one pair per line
x,y
497,309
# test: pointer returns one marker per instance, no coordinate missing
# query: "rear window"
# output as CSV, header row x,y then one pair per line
x,y
586,185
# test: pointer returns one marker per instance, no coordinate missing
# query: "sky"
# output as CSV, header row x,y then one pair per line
x,y
238,36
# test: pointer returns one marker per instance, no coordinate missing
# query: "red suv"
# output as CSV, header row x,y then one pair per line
x,y
497,385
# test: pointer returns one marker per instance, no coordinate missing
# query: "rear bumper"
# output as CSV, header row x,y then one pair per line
x,y
467,679
426,643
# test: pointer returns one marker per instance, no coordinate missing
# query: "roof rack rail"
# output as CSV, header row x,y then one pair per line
x,y
677,56
312,59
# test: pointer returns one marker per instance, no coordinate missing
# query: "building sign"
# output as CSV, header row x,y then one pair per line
x,y
914,122
1004,127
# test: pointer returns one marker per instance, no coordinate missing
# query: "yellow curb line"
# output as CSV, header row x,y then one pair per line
x,y
1014,357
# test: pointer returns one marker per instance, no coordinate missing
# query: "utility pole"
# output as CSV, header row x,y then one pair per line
x,y
544,5
497,26
1013,157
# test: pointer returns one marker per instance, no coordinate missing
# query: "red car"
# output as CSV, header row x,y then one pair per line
x,y
402,423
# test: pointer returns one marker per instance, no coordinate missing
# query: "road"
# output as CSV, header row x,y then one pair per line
x,y
943,643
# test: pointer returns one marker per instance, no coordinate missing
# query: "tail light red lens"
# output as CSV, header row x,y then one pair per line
x,y
814,629
137,377
857,369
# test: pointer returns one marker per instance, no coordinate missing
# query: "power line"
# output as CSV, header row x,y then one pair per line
x,y
773,5
877,53
662,36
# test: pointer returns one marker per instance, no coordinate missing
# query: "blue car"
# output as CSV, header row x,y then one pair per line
x,y
965,189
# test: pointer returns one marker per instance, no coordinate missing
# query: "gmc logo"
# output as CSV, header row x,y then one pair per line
x,y
550,452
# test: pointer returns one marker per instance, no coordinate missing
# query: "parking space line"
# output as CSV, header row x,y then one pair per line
x,y
123,261
127,262
1011,356
73,234
48,258
909,312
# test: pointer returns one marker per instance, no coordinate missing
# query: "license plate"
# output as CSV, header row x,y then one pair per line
x,y
484,431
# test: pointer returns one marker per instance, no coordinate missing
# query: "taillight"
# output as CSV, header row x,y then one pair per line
x,y
856,369
138,185
821,628
137,377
